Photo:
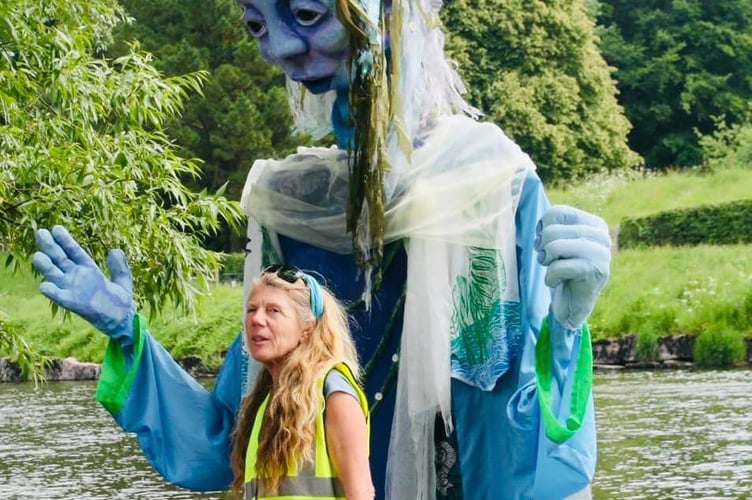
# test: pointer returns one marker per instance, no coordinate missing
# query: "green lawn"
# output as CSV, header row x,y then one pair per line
x,y
616,197
677,290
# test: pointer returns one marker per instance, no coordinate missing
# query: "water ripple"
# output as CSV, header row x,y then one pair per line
x,y
667,434
677,434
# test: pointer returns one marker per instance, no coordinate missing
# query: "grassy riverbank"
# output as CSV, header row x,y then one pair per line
x,y
652,292
669,290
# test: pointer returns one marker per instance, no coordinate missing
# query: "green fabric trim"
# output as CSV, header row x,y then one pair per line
x,y
115,379
581,385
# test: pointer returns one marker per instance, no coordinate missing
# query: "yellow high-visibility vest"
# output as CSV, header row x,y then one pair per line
x,y
310,482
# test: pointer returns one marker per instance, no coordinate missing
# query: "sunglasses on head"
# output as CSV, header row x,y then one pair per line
x,y
289,273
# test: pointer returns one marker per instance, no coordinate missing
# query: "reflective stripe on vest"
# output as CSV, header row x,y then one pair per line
x,y
310,482
300,486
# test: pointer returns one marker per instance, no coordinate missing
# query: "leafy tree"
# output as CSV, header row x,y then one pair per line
x,y
534,68
243,114
82,144
680,63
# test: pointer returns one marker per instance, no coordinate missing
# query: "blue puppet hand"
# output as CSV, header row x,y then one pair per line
x,y
576,247
76,283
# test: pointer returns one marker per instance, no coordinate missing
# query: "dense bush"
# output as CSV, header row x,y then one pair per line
x,y
535,69
719,350
727,147
679,65
232,264
14,346
647,348
726,224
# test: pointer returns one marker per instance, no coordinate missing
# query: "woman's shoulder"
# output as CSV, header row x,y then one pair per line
x,y
336,381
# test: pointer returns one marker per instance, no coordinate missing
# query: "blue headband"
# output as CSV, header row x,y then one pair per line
x,y
291,274
317,299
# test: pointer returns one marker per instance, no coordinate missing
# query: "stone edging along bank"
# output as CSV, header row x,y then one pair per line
x,y
70,369
673,352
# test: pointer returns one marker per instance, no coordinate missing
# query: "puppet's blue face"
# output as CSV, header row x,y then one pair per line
x,y
302,37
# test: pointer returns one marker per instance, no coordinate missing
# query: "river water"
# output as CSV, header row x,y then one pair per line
x,y
662,435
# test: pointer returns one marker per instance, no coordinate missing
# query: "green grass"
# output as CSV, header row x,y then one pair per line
x,y
677,290
719,349
614,197
210,332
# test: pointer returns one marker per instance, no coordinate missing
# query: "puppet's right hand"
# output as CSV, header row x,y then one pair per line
x,y
75,282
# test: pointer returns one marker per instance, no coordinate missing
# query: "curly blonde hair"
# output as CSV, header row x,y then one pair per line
x,y
288,432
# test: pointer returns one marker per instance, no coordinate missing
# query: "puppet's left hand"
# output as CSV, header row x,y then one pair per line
x,y
576,247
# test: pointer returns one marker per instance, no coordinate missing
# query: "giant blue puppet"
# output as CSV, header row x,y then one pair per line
x,y
468,293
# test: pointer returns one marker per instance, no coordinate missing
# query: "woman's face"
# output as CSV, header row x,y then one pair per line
x,y
272,326
303,37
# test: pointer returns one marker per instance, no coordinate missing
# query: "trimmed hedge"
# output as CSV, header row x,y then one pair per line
x,y
725,224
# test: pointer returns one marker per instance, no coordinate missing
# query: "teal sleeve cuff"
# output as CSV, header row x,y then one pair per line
x,y
117,374
581,384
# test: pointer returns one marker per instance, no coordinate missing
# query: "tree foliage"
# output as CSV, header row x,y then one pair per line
x,y
535,69
243,114
680,63
82,144
13,345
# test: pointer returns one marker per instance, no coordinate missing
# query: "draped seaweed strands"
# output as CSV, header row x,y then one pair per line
x,y
371,114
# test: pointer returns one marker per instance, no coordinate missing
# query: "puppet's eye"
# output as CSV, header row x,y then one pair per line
x,y
307,17
256,29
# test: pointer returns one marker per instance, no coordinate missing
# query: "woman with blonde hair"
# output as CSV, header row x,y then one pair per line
x,y
303,430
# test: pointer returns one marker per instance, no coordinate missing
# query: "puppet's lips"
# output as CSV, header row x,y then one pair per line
x,y
317,85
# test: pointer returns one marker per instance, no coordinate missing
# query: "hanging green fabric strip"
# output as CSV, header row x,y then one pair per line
x,y
115,378
580,386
